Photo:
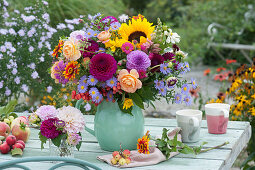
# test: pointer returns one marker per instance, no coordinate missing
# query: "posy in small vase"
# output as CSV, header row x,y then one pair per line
x,y
126,61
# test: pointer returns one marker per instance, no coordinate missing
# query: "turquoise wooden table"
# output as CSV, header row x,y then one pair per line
x,y
238,135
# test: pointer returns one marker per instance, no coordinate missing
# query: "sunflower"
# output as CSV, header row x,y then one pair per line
x,y
71,69
138,29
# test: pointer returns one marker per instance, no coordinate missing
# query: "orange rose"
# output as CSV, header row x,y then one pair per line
x,y
104,36
71,50
129,82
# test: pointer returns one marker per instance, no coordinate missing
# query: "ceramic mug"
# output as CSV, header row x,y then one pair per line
x,y
217,115
189,121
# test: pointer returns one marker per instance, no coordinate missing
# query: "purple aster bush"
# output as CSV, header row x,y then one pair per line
x,y
193,83
187,100
138,60
110,95
97,98
93,92
112,82
92,81
185,89
165,69
163,90
49,130
82,88
159,84
178,98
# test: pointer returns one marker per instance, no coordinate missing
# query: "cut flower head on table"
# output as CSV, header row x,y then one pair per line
x,y
131,62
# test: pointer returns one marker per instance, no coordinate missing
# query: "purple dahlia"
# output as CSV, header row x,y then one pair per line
x,y
156,59
49,130
138,60
102,66
93,47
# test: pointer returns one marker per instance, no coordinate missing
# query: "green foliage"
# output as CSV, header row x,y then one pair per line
x,y
6,111
60,10
57,141
43,139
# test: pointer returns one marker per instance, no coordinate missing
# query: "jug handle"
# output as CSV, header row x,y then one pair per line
x,y
78,106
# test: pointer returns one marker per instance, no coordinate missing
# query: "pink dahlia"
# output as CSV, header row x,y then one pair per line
x,y
156,59
91,48
112,19
138,60
73,139
49,130
102,66
127,47
46,112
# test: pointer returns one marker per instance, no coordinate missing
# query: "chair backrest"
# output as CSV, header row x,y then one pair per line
x,y
61,161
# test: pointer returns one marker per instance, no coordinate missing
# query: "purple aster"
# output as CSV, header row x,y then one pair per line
x,y
186,66
93,92
171,81
82,87
178,98
112,82
165,69
92,81
163,90
101,50
159,84
138,60
181,68
49,130
73,139
46,112
89,33
193,83
187,100
84,80
185,89
97,98
110,96
103,66
115,25
156,59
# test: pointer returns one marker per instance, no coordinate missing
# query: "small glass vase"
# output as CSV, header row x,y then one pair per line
x,y
64,150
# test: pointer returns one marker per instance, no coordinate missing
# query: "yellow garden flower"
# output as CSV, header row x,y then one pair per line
x,y
128,103
252,111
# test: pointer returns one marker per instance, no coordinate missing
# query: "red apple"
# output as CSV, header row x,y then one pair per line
x,y
19,120
115,153
18,145
4,129
11,140
4,148
126,153
21,132
21,142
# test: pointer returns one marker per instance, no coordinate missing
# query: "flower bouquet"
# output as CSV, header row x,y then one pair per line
x,y
127,61
62,127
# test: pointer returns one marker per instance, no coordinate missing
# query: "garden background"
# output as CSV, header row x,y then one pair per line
x,y
30,29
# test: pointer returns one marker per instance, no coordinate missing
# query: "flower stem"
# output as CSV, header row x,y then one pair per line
x,y
215,147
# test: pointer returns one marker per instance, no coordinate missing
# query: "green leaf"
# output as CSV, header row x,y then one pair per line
x,y
78,146
175,139
180,144
164,133
57,141
161,143
16,151
10,106
137,99
43,139
186,150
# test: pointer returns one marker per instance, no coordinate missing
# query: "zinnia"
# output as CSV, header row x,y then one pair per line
x,y
138,60
103,66
129,82
71,50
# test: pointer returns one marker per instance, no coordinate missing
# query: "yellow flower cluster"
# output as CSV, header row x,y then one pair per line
x,y
242,91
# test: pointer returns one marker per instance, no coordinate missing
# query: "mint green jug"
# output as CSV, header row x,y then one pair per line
x,y
112,126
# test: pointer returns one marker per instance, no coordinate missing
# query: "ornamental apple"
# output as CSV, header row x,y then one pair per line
x,y
19,120
113,161
126,153
4,148
128,160
4,129
11,140
18,145
122,161
21,132
115,153
21,142
117,157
